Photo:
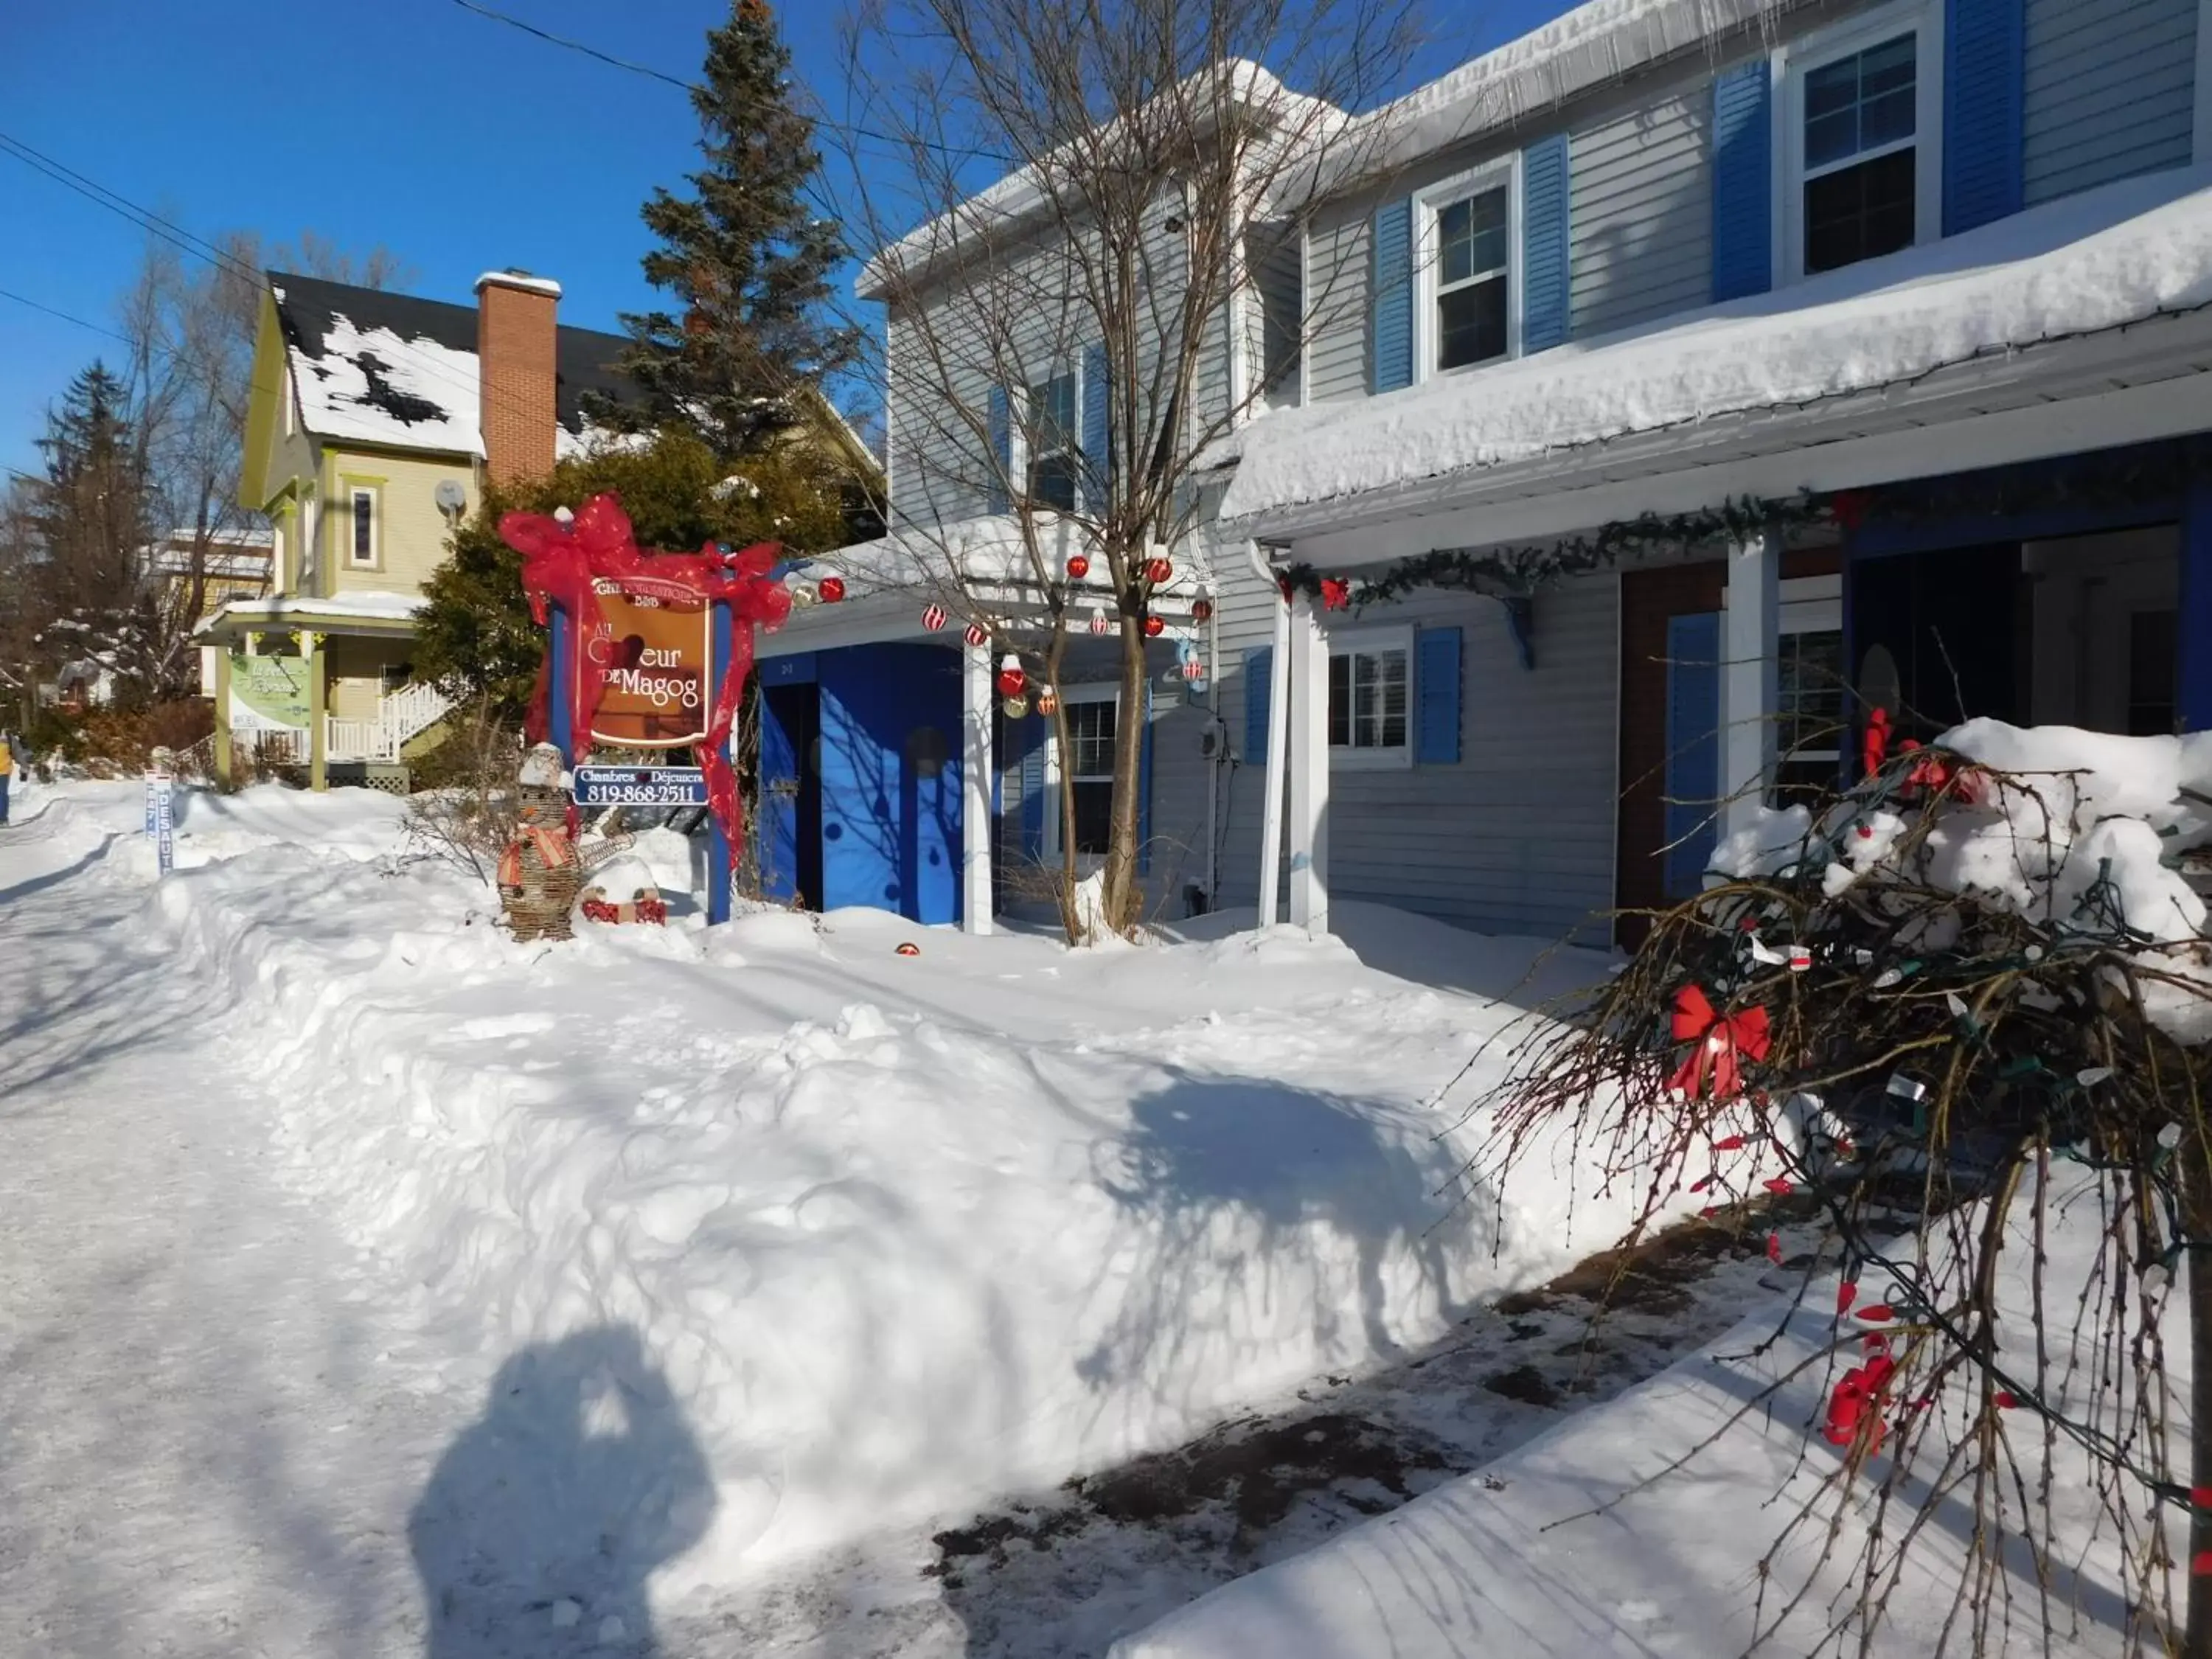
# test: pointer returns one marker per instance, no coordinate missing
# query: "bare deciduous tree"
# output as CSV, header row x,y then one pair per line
x,y
1070,349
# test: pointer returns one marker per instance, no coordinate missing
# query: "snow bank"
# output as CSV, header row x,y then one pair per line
x,y
1512,1560
896,1234
2098,260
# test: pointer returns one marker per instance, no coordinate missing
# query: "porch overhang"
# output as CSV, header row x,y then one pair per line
x,y
2081,352
979,567
364,616
2065,398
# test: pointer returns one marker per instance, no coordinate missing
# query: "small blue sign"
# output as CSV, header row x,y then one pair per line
x,y
641,785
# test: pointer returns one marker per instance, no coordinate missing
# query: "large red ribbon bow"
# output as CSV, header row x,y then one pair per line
x,y
1713,1063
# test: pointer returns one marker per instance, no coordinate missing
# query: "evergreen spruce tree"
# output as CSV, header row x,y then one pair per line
x,y
88,520
746,261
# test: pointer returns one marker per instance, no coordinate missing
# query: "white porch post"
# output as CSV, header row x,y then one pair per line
x,y
1278,741
1308,768
976,788
1750,678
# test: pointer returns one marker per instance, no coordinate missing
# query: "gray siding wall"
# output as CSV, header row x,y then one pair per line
x,y
1640,197
1337,279
2110,89
1518,836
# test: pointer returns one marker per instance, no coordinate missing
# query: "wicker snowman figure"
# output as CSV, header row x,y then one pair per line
x,y
539,873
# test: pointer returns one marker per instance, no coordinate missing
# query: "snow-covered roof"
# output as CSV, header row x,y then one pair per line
x,y
242,614
999,208
2092,264
374,366
1590,47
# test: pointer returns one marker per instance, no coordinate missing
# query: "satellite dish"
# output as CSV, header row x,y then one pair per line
x,y
449,495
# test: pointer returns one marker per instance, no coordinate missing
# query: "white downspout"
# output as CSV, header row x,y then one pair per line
x,y
1278,743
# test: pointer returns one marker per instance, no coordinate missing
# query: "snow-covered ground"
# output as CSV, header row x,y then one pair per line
x,y
1653,1525
662,1276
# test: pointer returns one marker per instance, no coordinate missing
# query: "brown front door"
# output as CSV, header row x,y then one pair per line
x,y
1663,740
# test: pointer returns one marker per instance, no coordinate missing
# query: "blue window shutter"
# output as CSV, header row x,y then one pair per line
x,y
1002,452
1692,784
1544,277
1743,181
1391,342
1259,686
1144,788
1034,735
1436,693
1097,455
1985,76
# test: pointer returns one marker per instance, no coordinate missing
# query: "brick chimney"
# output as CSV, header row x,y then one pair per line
x,y
515,373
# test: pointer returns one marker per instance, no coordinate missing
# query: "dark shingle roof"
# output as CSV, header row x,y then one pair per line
x,y
310,310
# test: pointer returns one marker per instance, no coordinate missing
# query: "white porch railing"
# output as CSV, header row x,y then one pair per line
x,y
402,716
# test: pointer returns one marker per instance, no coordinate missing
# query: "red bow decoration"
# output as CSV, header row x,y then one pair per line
x,y
1335,594
1848,508
1874,745
1712,1066
561,561
1855,1407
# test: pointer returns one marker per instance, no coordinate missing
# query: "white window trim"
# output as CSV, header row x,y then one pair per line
x,y
308,577
376,559
1055,812
1811,605
1791,64
1370,640
1506,170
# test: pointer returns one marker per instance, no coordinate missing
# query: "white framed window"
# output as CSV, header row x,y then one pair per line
x,y
362,527
1466,231
1811,674
1371,698
1085,773
1858,140
1052,437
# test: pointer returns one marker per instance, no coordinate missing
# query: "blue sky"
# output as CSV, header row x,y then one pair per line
x,y
461,144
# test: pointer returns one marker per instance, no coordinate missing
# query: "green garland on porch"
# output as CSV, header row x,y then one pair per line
x,y
1516,572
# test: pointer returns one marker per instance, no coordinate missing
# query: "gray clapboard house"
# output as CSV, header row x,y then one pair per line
x,y
1930,273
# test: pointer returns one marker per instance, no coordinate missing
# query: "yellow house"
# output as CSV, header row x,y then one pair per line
x,y
375,420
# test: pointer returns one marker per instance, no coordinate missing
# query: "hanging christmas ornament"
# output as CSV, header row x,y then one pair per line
x,y
1015,708
933,617
977,634
803,594
1079,567
1201,609
1158,572
1046,703
1012,680
1154,627
1099,622
910,950
833,589
1192,669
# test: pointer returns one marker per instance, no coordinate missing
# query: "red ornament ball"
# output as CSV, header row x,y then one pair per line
x,y
910,950
832,589
1154,627
1158,572
1201,610
1012,681
1079,567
